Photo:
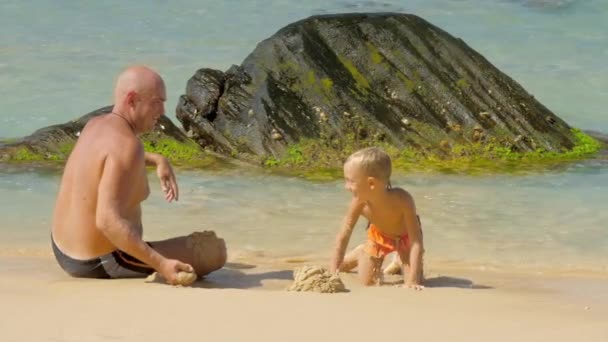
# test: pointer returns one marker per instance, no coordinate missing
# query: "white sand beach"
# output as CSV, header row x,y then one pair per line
x,y
245,302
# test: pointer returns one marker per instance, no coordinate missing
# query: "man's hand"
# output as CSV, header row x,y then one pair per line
x,y
169,268
167,180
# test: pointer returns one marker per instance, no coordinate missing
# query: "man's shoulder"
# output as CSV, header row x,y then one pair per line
x,y
112,138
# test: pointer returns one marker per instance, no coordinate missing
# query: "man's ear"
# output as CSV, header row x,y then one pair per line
x,y
131,98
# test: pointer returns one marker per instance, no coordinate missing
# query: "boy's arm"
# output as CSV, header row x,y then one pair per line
x,y
352,215
416,246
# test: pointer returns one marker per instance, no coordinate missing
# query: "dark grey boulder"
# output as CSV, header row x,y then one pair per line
x,y
384,77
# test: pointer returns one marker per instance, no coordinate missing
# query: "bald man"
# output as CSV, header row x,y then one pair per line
x,y
97,227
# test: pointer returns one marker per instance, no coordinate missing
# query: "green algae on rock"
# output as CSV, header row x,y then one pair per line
x,y
54,143
322,159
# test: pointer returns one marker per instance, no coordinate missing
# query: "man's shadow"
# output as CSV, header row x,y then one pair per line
x,y
232,277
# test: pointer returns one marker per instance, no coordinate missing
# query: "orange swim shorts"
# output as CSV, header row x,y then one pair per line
x,y
379,245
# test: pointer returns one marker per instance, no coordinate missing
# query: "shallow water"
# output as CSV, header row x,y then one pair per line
x,y
550,221
58,60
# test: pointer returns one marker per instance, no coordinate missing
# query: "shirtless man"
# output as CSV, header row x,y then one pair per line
x,y
97,227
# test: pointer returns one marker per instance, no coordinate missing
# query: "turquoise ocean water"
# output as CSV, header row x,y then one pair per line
x,y
58,60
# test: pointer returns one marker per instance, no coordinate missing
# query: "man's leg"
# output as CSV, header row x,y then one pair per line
x,y
119,264
204,251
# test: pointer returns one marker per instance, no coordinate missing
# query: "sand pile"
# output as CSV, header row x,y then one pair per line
x,y
316,279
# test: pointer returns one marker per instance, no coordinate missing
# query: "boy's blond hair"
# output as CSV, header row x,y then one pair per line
x,y
374,162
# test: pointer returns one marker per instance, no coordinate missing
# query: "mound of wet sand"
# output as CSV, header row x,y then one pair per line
x,y
316,279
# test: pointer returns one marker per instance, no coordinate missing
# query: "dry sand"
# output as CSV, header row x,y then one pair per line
x,y
246,302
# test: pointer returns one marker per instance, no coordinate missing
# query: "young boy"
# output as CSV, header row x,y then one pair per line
x,y
394,225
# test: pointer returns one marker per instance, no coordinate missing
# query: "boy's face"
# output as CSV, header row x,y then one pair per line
x,y
356,181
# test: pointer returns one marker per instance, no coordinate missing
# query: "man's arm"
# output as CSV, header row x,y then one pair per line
x,y
153,159
416,244
118,172
164,171
113,192
352,215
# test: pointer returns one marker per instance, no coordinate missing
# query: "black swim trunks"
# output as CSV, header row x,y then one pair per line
x,y
116,264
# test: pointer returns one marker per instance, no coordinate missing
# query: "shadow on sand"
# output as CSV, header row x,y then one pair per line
x,y
239,266
444,281
231,277
237,275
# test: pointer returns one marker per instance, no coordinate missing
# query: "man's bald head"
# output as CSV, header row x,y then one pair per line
x,y
139,97
138,79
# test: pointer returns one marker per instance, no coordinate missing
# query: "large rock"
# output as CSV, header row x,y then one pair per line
x,y
54,143
362,79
